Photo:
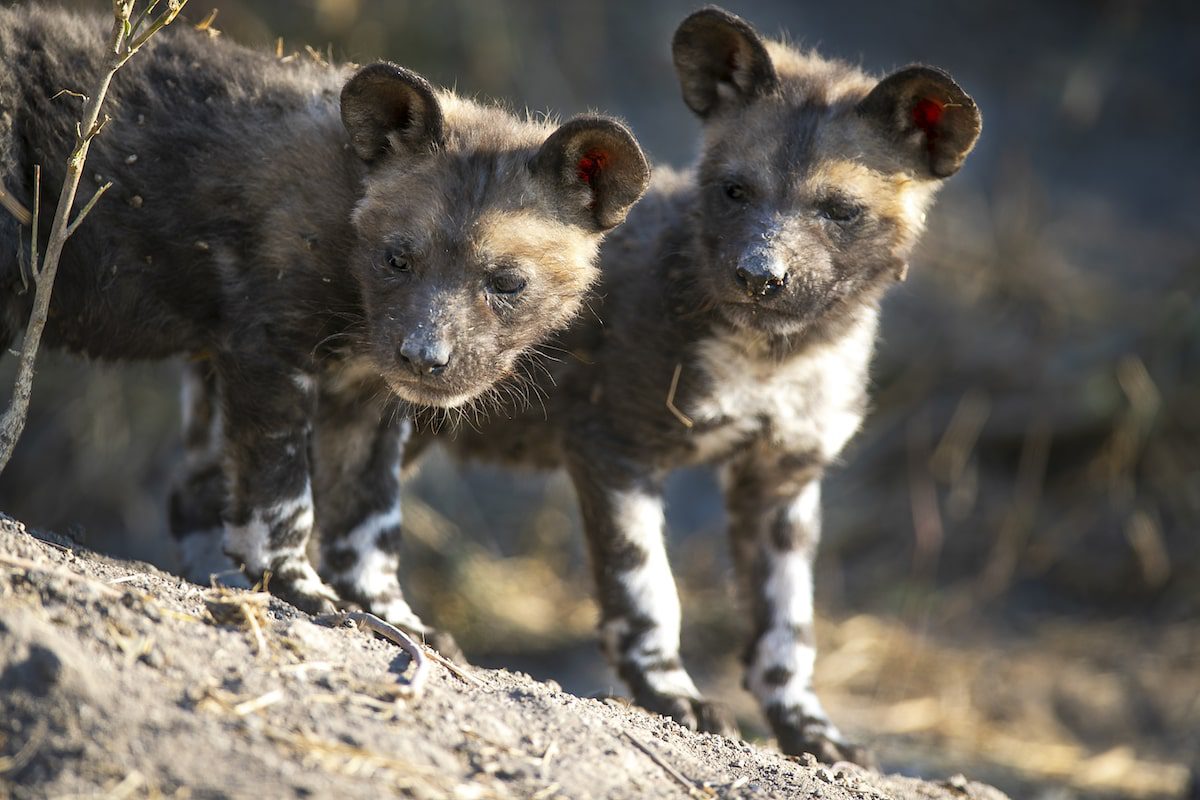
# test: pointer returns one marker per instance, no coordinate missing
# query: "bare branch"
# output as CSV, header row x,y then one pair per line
x,y
83,212
61,92
121,49
136,25
33,238
165,19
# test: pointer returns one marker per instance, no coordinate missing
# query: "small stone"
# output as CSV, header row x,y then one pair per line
x,y
202,246
131,158
136,201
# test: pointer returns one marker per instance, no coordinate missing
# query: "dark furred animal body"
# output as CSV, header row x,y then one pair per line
x,y
335,245
739,309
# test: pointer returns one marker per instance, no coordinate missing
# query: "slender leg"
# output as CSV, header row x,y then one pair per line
x,y
358,451
639,604
267,411
197,497
775,513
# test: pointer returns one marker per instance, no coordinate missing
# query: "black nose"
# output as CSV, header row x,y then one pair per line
x,y
424,357
760,281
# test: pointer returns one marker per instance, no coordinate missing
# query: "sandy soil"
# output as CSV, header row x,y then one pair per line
x,y
115,678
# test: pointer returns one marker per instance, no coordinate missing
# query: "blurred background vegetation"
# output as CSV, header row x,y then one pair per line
x,y
1008,583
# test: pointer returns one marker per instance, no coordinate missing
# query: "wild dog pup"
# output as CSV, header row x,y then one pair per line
x,y
332,243
739,307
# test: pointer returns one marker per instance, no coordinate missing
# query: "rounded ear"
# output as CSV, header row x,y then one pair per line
x,y
721,61
389,109
596,167
927,115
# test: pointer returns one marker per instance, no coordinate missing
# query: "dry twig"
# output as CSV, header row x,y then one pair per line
x,y
33,566
692,789
416,684
679,415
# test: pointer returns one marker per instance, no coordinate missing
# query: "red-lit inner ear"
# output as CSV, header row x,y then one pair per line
x,y
591,164
926,115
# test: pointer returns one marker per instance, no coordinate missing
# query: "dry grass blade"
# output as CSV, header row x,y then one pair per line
x,y
240,610
679,415
258,703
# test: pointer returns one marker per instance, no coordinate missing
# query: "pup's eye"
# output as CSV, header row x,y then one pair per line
x,y
735,191
397,261
840,211
506,282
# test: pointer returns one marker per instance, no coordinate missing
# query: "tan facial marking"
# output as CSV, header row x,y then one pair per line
x,y
562,252
897,196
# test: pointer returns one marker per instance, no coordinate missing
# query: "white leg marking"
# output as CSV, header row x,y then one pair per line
x,y
375,572
673,682
650,589
789,591
251,541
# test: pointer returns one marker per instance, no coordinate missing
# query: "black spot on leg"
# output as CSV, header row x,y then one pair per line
x,y
340,559
777,676
388,540
668,664
786,536
638,625
626,556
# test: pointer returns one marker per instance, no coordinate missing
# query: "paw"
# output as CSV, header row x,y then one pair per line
x,y
693,713
819,739
202,561
296,582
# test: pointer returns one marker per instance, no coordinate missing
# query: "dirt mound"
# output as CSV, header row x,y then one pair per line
x,y
117,678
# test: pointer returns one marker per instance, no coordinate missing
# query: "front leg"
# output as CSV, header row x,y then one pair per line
x,y
775,514
358,451
267,412
639,604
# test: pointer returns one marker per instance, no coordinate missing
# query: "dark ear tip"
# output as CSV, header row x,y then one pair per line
x,y
710,16
383,71
384,97
935,76
703,50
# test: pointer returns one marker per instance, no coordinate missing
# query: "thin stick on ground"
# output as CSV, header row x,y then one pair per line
x,y
125,41
692,789
46,569
453,668
416,684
